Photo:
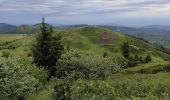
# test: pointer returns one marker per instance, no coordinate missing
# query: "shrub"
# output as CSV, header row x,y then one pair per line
x,y
62,90
105,54
85,65
119,87
38,73
148,59
5,54
132,61
16,79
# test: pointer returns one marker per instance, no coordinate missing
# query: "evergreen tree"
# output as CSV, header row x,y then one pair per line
x,y
136,57
47,49
141,59
125,49
148,59
105,54
132,61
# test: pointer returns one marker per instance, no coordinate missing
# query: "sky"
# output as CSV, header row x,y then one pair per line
x,y
66,12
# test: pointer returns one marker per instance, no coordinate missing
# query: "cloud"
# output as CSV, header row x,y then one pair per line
x,y
85,9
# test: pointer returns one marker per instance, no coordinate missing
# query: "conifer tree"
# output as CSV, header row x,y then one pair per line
x,y
47,49
148,59
125,49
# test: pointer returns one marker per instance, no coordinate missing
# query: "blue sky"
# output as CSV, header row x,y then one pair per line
x,y
125,12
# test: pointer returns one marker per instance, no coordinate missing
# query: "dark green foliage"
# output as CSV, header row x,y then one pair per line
x,y
148,59
5,54
105,54
85,65
47,49
135,60
136,57
132,61
16,79
62,90
125,49
155,69
141,59
10,44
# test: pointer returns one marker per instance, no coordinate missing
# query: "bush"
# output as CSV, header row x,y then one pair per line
x,y
105,54
148,59
133,61
85,65
39,73
93,90
16,79
5,54
119,87
62,90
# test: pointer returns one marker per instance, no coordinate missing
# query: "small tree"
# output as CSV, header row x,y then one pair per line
x,y
105,54
47,49
148,59
125,49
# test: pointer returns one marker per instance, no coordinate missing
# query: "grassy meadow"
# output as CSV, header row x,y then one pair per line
x,y
10,37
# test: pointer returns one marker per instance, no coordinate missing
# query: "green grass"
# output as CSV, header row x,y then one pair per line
x,y
117,87
46,93
150,68
10,37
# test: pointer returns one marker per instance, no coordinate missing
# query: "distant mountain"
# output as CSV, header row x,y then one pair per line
x,y
6,27
22,29
112,24
72,26
27,29
162,27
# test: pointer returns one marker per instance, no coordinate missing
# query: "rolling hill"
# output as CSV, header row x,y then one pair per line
x,y
6,27
22,29
99,40
156,34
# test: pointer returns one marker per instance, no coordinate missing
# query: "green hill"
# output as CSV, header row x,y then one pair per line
x,y
98,40
101,40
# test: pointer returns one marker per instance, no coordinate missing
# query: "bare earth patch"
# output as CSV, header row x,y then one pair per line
x,y
107,38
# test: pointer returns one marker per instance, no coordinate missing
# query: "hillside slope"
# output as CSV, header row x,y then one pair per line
x,y
154,34
94,39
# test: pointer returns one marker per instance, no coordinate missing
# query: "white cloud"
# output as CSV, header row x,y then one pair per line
x,y
87,9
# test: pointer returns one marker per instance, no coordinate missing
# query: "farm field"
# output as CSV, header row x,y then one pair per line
x,y
11,37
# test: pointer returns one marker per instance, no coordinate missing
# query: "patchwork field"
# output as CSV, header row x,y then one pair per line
x,y
11,37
